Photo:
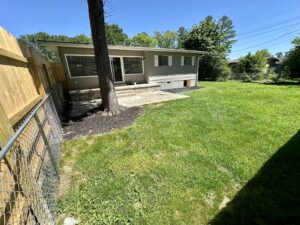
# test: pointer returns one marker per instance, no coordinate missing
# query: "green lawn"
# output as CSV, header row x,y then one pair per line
x,y
183,161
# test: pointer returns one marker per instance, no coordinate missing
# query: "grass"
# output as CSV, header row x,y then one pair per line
x,y
184,160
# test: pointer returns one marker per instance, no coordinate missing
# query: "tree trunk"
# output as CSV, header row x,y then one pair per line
x,y
109,103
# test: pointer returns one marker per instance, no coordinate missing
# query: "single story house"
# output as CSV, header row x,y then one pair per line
x,y
170,68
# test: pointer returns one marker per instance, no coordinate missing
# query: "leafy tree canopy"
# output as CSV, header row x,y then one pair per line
x,y
42,36
296,41
115,35
212,36
182,35
167,39
143,40
256,63
291,64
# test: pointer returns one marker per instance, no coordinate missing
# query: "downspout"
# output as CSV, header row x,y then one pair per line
x,y
197,76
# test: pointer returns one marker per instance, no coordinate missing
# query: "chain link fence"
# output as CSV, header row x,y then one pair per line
x,y
29,168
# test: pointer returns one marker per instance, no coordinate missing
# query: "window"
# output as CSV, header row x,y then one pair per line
x,y
187,61
81,66
163,60
133,65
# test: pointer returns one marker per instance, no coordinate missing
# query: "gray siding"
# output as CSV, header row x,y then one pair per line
x,y
176,67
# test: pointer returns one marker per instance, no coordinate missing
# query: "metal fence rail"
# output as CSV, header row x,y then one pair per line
x,y
29,168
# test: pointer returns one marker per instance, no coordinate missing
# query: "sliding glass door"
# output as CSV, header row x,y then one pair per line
x,y
116,67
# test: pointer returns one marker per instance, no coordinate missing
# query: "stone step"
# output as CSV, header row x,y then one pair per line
x,y
122,91
125,94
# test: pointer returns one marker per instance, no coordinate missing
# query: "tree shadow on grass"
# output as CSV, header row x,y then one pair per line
x,y
272,196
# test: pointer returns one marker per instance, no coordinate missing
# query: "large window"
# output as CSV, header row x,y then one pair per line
x,y
133,65
163,60
81,66
187,61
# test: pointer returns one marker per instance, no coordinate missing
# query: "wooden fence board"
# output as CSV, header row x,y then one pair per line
x,y
25,77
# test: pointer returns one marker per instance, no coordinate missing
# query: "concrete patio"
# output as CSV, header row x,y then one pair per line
x,y
140,99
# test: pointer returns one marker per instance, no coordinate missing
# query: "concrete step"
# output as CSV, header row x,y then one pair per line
x,y
127,93
122,92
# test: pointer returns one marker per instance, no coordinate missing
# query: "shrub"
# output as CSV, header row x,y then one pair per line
x,y
213,67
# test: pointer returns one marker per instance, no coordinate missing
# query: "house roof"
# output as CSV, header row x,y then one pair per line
x,y
110,47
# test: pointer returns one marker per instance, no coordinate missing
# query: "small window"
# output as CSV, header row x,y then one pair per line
x,y
81,66
163,60
133,65
187,61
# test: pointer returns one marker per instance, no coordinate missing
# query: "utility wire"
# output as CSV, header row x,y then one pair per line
x,y
268,31
267,42
270,26
271,16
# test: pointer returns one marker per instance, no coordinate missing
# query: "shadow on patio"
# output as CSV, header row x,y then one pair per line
x,y
272,196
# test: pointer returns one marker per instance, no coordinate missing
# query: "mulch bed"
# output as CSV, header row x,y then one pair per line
x,y
94,123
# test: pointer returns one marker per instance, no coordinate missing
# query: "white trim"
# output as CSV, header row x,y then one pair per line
x,y
183,60
197,76
110,56
156,61
170,60
69,73
143,65
143,49
168,56
122,69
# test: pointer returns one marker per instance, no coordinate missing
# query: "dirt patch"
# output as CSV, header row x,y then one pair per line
x,y
95,123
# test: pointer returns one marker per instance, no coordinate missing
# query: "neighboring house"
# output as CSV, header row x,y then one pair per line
x,y
272,62
171,68
234,66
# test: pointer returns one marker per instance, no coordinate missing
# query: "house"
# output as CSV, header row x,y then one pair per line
x,y
234,66
169,68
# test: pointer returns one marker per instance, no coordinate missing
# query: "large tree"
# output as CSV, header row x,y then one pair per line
x,y
182,35
291,63
110,104
115,35
143,40
256,63
216,38
212,36
168,39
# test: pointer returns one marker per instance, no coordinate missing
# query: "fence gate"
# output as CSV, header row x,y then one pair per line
x,y
29,168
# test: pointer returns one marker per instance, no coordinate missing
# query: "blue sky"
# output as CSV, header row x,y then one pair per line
x,y
250,17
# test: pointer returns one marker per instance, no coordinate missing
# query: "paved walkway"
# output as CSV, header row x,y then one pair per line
x,y
81,108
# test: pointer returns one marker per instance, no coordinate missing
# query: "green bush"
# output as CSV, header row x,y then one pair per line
x,y
247,78
213,67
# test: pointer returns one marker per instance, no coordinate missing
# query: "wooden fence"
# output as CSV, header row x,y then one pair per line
x,y
25,79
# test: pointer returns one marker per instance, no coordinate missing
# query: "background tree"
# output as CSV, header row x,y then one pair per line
x,y
32,41
115,35
143,40
256,63
291,63
212,36
109,103
215,37
167,39
182,35
296,41
213,67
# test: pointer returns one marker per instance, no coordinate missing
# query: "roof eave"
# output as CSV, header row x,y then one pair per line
x,y
90,46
